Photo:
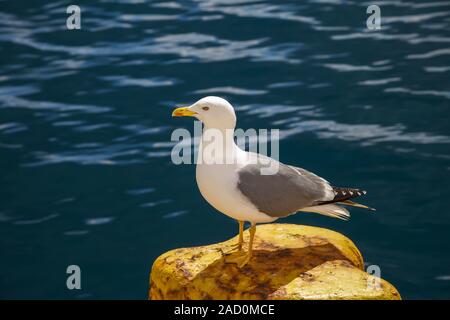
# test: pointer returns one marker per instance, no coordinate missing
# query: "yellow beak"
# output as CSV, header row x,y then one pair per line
x,y
183,112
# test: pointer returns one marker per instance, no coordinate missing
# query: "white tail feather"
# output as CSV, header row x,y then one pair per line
x,y
330,210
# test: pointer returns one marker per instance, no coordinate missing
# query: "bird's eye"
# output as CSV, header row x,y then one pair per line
x,y
205,108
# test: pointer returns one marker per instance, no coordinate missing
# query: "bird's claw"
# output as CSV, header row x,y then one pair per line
x,y
240,259
231,249
235,247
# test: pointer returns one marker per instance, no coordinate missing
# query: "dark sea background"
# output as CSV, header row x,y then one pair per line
x,y
85,126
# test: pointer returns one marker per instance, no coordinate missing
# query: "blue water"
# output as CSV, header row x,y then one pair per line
x,y
85,124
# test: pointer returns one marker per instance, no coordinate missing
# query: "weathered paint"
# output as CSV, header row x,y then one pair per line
x,y
289,262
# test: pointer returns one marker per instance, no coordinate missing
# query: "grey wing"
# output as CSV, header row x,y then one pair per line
x,y
284,192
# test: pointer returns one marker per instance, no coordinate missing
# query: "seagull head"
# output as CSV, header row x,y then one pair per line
x,y
214,112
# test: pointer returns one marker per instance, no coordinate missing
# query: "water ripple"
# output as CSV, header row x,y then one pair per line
x,y
430,54
36,221
99,221
445,94
231,90
124,81
367,134
377,82
342,67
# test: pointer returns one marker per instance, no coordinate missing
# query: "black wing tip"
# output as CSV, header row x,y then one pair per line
x,y
348,193
361,192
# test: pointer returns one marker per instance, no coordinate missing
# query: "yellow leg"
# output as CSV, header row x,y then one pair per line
x,y
237,246
252,237
241,235
242,260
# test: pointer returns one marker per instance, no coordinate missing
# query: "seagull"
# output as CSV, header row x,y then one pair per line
x,y
233,182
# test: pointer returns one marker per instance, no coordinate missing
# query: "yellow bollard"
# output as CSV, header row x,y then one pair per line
x,y
289,261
